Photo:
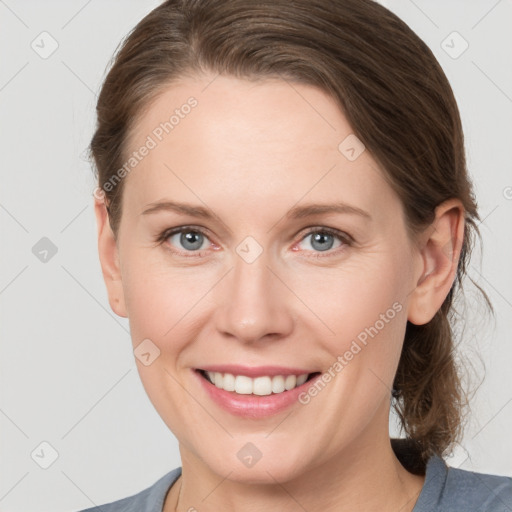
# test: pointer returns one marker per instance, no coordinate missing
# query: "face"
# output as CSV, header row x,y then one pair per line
x,y
253,281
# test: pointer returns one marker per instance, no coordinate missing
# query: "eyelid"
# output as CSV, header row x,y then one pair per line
x,y
162,238
166,233
344,237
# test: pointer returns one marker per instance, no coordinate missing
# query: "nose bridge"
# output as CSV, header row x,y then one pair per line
x,y
256,303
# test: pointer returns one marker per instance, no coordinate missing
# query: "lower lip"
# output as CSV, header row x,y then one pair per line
x,y
253,406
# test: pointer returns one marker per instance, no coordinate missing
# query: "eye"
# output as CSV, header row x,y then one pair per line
x,y
195,242
323,240
187,239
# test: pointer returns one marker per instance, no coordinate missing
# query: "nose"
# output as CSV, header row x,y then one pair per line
x,y
255,303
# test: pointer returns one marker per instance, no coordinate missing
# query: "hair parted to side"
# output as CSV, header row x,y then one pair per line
x,y
392,91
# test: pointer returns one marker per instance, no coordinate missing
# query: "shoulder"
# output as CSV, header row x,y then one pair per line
x,y
450,489
148,500
478,491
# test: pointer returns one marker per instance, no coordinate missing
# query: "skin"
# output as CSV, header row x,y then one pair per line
x,y
249,152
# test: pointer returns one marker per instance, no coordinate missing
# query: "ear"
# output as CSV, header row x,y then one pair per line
x,y
109,259
440,248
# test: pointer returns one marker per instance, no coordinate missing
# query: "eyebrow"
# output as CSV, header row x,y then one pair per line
x,y
297,212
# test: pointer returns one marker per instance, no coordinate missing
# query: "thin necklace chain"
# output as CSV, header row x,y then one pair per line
x,y
179,495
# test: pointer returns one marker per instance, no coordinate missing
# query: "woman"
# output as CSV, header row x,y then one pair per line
x,y
234,139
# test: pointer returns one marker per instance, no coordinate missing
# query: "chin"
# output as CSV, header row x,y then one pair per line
x,y
267,466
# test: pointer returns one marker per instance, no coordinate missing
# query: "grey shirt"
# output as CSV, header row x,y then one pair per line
x,y
446,489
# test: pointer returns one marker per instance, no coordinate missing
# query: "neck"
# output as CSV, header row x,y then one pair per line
x,y
366,476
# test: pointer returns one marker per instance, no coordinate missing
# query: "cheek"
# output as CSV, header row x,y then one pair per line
x,y
341,304
356,300
161,299
365,310
161,304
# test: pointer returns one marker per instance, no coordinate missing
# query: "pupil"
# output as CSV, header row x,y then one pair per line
x,y
191,237
320,237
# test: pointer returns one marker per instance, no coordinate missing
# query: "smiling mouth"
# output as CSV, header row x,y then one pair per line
x,y
259,386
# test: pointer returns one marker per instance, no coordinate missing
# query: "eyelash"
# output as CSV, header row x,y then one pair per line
x,y
346,239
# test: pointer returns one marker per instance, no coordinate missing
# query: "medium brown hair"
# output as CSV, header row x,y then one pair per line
x,y
393,92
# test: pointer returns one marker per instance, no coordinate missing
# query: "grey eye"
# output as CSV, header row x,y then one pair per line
x,y
190,240
321,241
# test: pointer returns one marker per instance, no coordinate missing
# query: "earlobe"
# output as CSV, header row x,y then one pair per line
x,y
439,255
109,259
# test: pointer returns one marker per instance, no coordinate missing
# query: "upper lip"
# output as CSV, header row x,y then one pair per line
x,y
254,371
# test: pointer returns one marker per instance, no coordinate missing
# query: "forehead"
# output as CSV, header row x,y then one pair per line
x,y
254,143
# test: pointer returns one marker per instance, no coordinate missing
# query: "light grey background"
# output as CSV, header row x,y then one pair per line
x,y
67,372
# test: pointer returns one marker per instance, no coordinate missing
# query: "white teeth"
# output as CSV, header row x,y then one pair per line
x,y
278,384
301,379
261,386
229,382
290,382
243,385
